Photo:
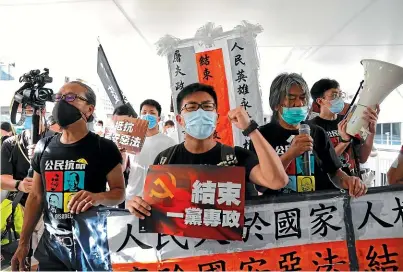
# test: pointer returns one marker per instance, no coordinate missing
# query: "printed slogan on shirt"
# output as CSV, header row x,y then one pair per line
x,y
63,178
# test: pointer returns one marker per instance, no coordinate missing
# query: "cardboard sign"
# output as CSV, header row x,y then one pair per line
x,y
195,201
128,133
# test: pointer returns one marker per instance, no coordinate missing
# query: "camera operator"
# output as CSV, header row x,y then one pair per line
x,y
15,161
71,171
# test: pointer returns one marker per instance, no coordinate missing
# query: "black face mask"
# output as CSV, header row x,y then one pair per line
x,y
66,114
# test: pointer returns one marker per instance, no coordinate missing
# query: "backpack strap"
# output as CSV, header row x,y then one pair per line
x,y
228,157
166,155
16,201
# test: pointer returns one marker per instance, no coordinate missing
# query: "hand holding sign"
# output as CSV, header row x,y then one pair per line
x,y
128,133
193,201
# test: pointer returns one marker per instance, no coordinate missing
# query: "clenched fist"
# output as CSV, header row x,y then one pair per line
x,y
239,117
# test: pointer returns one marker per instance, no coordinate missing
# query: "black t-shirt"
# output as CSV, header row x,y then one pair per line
x,y
349,157
323,159
13,161
244,157
3,138
68,168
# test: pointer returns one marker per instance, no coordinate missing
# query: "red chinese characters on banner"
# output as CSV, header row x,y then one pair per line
x,y
195,201
331,256
211,71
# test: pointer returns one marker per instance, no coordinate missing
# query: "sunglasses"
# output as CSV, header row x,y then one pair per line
x,y
68,97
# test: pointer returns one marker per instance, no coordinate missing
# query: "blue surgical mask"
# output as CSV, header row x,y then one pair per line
x,y
337,105
200,124
152,120
294,116
28,122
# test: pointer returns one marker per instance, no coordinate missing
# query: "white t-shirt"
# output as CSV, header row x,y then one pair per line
x,y
139,163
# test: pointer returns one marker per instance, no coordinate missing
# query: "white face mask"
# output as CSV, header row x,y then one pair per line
x,y
170,130
98,128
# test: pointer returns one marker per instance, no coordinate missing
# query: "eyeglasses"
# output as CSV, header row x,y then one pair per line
x,y
192,106
68,97
334,96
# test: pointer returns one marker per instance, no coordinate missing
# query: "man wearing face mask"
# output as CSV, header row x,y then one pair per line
x,y
169,130
99,128
197,113
289,97
327,94
154,143
95,160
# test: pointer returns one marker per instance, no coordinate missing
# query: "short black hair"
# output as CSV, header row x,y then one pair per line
x,y
169,123
152,103
193,88
6,126
125,109
321,86
100,122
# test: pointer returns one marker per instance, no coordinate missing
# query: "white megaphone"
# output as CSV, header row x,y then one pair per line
x,y
380,79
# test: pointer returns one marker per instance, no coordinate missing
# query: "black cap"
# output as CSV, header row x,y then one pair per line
x,y
6,126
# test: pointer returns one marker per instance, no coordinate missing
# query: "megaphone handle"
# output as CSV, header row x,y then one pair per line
x,y
355,98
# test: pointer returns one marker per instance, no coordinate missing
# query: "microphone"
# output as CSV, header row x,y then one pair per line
x,y
304,129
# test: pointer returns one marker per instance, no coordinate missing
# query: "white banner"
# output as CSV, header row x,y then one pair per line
x,y
245,82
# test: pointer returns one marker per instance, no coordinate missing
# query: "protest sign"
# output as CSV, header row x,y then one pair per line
x,y
312,231
195,201
128,133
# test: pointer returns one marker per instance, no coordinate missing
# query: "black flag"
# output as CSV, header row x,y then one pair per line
x,y
111,86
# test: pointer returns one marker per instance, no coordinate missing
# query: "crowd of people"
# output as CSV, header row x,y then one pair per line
x,y
76,169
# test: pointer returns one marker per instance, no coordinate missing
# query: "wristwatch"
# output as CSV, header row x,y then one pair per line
x,y
252,127
344,141
17,184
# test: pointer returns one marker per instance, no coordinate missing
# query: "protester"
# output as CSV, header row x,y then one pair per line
x,y
5,131
96,160
154,143
125,110
99,128
289,97
197,108
327,95
170,131
395,173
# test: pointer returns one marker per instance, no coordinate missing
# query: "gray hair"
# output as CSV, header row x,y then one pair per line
x,y
281,86
89,94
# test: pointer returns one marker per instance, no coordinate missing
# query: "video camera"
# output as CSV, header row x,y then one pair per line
x,y
32,94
